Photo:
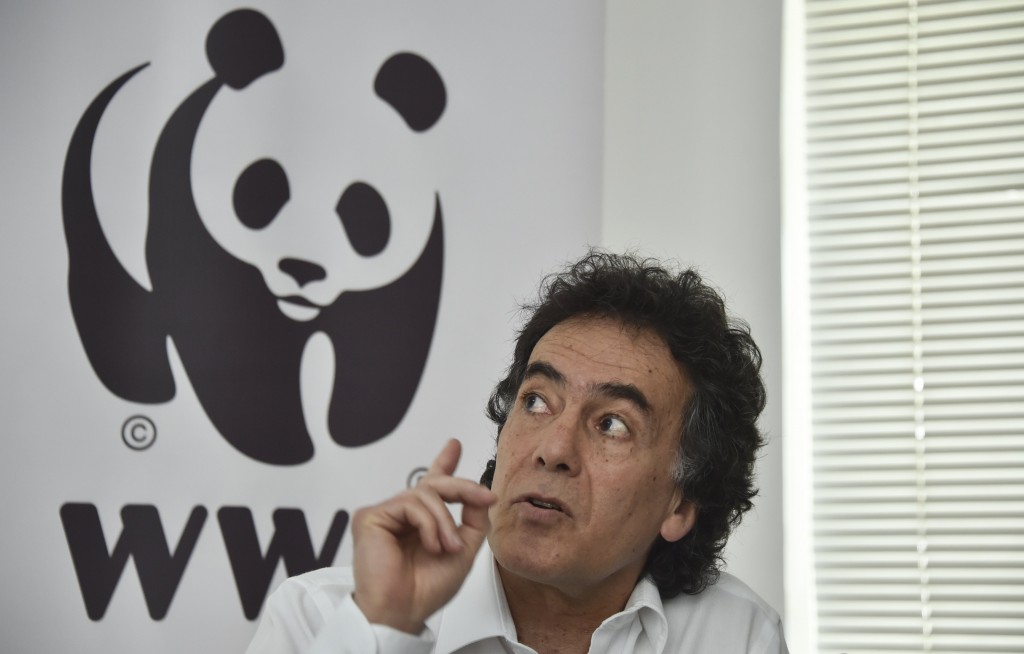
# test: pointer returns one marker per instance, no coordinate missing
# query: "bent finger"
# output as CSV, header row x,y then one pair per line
x,y
402,515
447,529
476,523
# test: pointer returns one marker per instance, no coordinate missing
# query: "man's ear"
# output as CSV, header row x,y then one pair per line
x,y
679,523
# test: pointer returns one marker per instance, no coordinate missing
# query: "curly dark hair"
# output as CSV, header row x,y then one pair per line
x,y
720,438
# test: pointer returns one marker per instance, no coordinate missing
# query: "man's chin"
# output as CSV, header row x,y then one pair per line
x,y
533,560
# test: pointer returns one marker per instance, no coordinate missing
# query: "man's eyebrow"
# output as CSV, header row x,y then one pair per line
x,y
614,390
544,369
627,392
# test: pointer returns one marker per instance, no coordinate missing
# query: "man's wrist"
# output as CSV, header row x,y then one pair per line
x,y
387,617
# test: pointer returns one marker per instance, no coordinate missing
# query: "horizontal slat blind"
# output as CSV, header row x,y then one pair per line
x,y
915,128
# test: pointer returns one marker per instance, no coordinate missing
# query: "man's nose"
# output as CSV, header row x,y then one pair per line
x,y
558,448
303,272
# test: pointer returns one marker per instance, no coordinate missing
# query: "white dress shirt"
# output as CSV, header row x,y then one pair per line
x,y
315,613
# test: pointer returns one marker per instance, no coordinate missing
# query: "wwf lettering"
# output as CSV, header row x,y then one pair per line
x,y
160,570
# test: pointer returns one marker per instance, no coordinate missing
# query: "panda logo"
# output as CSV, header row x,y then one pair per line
x,y
240,334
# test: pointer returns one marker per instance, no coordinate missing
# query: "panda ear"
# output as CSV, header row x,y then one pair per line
x,y
411,85
242,46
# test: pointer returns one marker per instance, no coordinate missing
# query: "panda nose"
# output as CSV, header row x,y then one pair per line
x,y
301,271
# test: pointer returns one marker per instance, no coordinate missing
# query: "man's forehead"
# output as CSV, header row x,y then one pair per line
x,y
599,350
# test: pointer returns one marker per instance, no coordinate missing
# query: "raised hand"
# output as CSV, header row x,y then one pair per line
x,y
409,556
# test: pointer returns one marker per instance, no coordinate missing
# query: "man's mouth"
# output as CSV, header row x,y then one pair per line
x,y
546,503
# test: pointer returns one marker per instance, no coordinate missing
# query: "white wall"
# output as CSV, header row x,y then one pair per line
x,y
692,172
517,153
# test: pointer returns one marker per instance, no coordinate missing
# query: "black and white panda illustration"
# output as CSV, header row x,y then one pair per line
x,y
240,334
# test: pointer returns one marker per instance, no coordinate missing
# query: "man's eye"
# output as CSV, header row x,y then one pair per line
x,y
534,404
613,426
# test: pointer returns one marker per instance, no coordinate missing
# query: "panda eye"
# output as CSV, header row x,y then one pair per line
x,y
365,217
411,85
260,192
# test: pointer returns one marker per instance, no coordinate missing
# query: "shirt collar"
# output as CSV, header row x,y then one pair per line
x,y
480,611
645,603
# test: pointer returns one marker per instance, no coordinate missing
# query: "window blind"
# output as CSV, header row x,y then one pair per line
x,y
915,193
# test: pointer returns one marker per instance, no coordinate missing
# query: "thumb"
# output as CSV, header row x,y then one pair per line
x,y
476,524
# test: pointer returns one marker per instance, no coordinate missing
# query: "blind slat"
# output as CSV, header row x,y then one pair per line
x,y
915,188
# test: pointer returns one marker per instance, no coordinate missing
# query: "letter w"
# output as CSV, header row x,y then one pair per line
x,y
291,541
142,538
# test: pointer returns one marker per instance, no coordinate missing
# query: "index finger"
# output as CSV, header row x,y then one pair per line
x,y
447,459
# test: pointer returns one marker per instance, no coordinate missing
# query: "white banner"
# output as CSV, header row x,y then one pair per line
x,y
259,263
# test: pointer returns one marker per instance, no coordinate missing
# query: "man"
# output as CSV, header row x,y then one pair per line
x,y
626,444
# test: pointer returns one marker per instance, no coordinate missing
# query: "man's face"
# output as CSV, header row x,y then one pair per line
x,y
585,459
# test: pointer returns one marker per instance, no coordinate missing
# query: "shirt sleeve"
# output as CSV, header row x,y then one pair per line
x,y
294,615
346,631
775,643
299,619
393,641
